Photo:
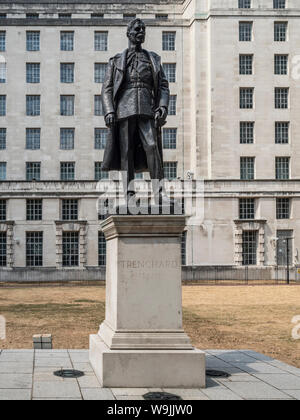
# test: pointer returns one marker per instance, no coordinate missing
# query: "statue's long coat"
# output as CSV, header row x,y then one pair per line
x,y
111,86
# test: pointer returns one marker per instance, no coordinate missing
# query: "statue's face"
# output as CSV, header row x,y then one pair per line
x,y
137,33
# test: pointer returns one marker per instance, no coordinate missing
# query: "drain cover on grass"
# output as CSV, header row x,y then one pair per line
x,y
161,396
217,374
69,373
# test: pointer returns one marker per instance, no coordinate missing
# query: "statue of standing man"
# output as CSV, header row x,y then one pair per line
x,y
135,99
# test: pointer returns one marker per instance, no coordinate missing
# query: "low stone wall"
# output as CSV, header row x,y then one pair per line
x,y
234,274
190,274
52,275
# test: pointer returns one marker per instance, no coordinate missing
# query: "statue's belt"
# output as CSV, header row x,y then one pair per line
x,y
136,85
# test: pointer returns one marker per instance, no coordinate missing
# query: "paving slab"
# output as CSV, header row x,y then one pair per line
x,y
255,390
55,389
236,357
15,394
294,393
281,381
221,393
94,394
129,391
258,367
185,393
241,377
258,356
15,381
89,380
17,357
285,367
54,361
16,367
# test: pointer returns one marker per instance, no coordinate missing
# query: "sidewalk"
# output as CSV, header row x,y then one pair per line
x,y
28,374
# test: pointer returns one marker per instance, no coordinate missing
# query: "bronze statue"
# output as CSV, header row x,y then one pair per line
x,y
135,99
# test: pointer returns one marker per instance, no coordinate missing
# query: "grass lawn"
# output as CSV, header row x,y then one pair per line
x,y
215,317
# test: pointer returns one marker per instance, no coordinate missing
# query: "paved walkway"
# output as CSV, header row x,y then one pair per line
x,y
28,374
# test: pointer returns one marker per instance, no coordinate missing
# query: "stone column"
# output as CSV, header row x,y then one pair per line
x,y
141,343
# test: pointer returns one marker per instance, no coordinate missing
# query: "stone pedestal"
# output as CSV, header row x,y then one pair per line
x,y
141,343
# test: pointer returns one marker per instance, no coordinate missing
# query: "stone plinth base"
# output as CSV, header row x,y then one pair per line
x,y
141,343
147,368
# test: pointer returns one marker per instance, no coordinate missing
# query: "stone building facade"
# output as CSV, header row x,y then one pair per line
x,y
234,72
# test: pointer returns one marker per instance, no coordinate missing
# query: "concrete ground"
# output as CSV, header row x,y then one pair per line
x,y
28,375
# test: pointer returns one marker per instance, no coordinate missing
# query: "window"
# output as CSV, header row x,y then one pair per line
x,y
284,247
281,64
99,174
282,132
246,98
2,40
101,249
33,40
67,171
247,208
2,72
244,4
183,248
170,72
2,171
280,31
67,136
170,170
100,72
70,242
33,138
101,41
249,247
33,72
129,16
34,210
64,15
33,105
67,72
33,171
169,138
161,16
281,98
246,132
3,249
2,105
168,41
98,106
282,168
32,15
3,206
173,105
34,249
3,15
69,210
67,105
247,168
97,15
279,4
2,138
245,31
100,138
246,64
282,208
66,41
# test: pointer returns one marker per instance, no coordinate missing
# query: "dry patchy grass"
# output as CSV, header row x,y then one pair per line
x,y
237,317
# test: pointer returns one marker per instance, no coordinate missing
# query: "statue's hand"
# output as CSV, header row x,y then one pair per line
x,y
110,120
161,116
